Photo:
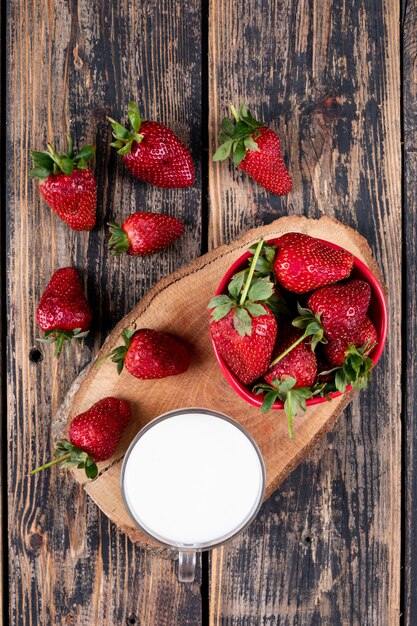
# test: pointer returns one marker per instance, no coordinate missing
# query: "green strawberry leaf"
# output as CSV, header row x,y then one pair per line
x,y
39,172
236,285
221,311
91,471
356,369
223,151
255,309
269,400
294,398
117,144
134,116
43,160
277,305
126,149
66,165
120,132
85,154
227,127
341,380
260,289
239,154
242,322
311,324
250,144
218,300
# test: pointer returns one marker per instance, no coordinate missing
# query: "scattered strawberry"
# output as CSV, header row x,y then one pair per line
x,y
300,362
152,152
255,149
93,436
144,233
242,328
335,350
341,308
68,185
304,263
63,311
149,354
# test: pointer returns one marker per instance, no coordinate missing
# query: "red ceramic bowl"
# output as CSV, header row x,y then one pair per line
x,y
377,312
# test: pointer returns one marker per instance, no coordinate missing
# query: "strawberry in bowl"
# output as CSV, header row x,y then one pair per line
x,y
331,323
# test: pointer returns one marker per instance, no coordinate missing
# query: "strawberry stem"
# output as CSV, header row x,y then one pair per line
x,y
65,457
289,416
288,350
235,113
251,272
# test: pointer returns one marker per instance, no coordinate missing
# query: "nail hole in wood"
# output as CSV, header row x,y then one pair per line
x,y
35,355
132,620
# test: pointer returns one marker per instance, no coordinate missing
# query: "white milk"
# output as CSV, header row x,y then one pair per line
x,y
193,479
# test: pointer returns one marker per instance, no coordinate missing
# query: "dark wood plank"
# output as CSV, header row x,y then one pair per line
x,y
71,64
3,376
409,32
326,548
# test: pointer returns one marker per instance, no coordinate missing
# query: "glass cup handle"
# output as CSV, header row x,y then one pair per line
x,y
186,567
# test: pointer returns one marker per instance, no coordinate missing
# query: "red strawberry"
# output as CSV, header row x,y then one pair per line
x,y
149,354
304,263
342,308
152,152
300,362
255,149
68,185
93,436
290,375
144,233
247,356
241,327
335,350
63,311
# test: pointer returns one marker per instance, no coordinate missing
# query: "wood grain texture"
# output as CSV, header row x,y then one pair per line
x,y
409,31
188,291
325,549
71,64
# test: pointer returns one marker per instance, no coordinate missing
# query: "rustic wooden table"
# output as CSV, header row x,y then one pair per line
x,y
337,543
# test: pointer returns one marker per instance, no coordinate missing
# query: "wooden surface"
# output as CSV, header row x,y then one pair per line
x,y
326,547
188,292
70,65
409,22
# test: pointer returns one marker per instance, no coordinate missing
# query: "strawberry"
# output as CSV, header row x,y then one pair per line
x,y
149,354
144,233
93,436
290,375
68,185
255,149
247,355
300,362
242,329
365,334
341,308
304,263
63,311
152,152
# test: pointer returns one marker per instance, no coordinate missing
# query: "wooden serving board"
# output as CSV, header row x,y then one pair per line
x,y
178,305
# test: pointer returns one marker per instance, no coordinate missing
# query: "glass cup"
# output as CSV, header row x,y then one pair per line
x,y
191,480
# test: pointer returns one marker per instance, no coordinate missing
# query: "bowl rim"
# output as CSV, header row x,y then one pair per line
x,y
377,290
